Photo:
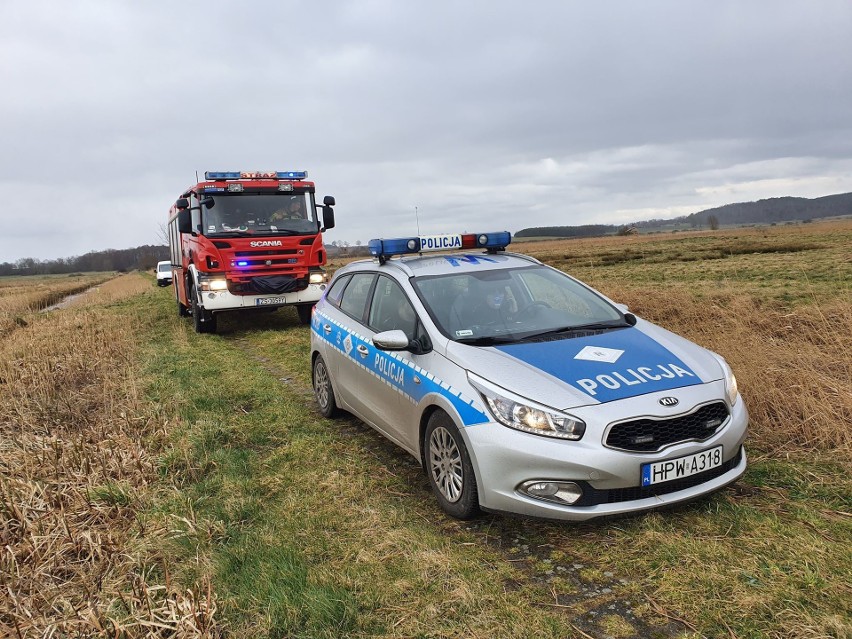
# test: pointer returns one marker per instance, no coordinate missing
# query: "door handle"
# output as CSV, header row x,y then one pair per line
x,y
362,350
326,328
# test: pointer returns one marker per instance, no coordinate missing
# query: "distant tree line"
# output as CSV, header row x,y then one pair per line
x,y
139,258
586,230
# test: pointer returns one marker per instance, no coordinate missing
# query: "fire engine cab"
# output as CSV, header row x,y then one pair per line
x,y
243,240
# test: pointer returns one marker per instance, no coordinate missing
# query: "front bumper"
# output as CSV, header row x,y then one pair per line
x,y
226,301
611,479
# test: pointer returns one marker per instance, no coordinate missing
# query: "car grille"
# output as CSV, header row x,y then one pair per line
x,y
593,496
649,435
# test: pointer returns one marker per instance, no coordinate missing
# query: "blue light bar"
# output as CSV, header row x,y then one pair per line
x,y
384,249
255,175
222,175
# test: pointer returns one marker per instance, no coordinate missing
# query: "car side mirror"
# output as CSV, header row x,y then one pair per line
x,y
184,220
394,340
630,318
327,217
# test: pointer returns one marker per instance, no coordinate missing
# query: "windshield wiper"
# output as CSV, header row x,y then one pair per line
x,y
577,328
287,232
486,341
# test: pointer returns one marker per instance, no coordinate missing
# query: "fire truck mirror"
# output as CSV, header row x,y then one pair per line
x,y
328,200
182,203
184,221
208,202
327,217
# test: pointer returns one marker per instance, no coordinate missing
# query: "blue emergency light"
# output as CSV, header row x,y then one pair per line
x,y
249,175
493,242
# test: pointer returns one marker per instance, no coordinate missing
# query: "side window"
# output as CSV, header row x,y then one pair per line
x,y
195,212
336,290
390,309
354,300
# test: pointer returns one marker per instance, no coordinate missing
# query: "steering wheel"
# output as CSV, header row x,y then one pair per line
x,y
526,310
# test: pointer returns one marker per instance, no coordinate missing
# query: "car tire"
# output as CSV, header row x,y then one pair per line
x,y
449,469
304,311
323,389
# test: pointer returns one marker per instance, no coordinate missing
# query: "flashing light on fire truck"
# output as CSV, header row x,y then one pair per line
x,y
385,248
255,175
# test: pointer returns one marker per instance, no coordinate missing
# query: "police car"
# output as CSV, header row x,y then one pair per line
x,y
519,388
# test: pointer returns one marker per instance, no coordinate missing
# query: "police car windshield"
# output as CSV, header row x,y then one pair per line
x,y
237,214
505,305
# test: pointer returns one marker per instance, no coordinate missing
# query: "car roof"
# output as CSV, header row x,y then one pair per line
x,y
446,263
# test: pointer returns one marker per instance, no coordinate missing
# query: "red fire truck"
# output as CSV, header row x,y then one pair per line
x,y
242,240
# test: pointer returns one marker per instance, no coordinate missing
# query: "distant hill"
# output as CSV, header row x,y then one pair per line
x,y
770,211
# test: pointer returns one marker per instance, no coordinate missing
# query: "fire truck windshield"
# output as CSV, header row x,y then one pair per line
x,y
258,214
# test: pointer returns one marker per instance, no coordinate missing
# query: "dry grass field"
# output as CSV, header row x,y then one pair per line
x,y
74,471
21,297
155,482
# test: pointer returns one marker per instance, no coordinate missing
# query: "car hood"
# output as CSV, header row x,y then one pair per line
x,y
598,368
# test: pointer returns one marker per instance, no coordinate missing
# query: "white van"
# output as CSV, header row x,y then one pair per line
x,y
164,273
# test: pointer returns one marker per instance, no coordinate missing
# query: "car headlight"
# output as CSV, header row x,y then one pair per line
x,y
525,416
731,389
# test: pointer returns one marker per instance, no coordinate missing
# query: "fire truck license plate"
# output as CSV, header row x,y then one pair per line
x,y
270,301
681,467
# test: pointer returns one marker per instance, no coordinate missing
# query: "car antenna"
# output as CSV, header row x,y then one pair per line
x,y
417,219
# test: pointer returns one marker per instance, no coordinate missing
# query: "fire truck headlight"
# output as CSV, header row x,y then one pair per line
x,y
218,285
318,277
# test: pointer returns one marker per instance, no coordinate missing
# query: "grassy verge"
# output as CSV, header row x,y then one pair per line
x,y
767,558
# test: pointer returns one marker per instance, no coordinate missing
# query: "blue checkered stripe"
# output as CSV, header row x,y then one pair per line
x,y
347,341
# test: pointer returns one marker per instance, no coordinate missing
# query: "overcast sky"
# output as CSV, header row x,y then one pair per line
x,y
485,115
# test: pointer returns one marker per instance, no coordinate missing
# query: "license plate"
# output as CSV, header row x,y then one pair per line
x,y
672,469
270,301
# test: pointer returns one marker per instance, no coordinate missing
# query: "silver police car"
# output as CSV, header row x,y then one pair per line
x,y
519,388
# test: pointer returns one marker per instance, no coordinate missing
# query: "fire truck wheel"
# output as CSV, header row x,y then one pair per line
x,y
304,311
183,311
203,321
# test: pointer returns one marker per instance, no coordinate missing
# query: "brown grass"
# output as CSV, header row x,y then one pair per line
x,y
75,469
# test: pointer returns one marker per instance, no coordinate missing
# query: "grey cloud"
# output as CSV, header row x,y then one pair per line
x,y
480,113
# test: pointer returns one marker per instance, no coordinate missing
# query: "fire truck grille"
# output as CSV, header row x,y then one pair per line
x,y
648,435
265,253
270,262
